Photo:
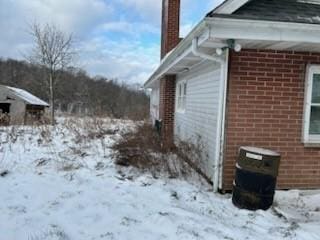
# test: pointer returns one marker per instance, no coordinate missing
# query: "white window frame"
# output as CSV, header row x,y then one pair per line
x,y
181,96
307,137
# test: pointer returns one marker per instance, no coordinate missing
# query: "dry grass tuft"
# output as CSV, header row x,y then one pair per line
x,y
144,150
140,148
54,233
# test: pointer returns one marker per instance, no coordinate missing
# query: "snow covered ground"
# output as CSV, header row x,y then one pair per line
x,y
63,185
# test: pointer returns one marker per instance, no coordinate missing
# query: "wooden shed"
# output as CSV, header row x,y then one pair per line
x,y
17,106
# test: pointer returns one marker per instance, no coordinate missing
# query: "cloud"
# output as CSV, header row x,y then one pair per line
x,y
126,60
93,22
116,38
192,12
186,28
131,28
214,3
149,10
73,16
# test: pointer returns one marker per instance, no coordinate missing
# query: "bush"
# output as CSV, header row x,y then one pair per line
x,y
140,148
143,149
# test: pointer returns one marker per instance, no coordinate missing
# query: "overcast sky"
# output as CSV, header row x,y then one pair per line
x,y
117,38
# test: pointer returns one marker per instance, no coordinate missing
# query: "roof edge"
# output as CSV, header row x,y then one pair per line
x,y
222,21
181,47
257,18
229,6
24,98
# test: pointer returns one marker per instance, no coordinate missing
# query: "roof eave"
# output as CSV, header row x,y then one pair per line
x,y
181,47
229,6
222,27
17,95
240,29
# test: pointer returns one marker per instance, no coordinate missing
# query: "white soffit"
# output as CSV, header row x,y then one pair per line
x,y
230,6
213,31
228,28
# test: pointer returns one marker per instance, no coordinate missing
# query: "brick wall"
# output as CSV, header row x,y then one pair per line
x,y
167,107
265,109
170,25
169,40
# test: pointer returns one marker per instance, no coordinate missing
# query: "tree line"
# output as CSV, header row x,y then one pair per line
x,y
76,92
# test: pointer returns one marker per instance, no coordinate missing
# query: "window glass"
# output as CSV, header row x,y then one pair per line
x,y
316,88
315,120
181,95
311,130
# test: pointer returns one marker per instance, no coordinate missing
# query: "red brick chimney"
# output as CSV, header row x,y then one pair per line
x,y
170,25
169,40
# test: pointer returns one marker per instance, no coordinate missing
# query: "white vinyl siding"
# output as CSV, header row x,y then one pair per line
x,y
198,121
154,104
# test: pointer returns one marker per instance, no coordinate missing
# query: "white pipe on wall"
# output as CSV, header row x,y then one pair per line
x,y
220,117
220,125
196,52
224,109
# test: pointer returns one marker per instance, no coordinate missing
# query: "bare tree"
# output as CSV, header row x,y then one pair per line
x,y
53,50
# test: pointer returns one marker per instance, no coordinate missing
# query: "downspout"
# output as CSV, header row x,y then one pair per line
x,y
223,126
222,62
196,52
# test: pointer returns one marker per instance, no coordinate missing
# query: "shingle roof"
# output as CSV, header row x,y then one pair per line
x,y
299,11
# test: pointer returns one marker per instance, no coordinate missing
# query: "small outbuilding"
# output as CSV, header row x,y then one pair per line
x,y
18,106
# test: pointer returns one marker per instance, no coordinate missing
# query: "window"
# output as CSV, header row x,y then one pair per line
x,y
311,133
5,108
181,95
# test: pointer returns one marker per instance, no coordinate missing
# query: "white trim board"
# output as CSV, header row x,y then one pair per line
x,y
230,6
217,30
307,138
226,28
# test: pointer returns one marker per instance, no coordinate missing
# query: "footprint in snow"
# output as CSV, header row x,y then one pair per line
x,y
127,221
187,232
108,235
67,195
18,209
54,204
286,232
53,232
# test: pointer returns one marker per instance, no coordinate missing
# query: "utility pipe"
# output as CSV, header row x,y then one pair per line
x,y
222,141
196,52
222,62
